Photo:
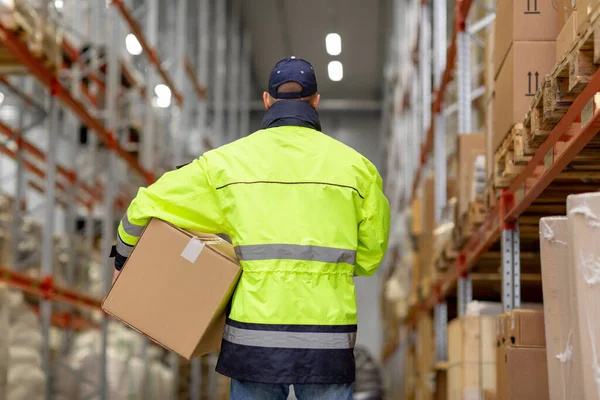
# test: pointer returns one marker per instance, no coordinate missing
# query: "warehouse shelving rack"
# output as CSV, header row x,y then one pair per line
x,y
75,191
501,225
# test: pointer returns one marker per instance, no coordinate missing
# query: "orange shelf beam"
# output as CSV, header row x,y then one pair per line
x,y
43,287
200,89
66,320
30,148
20,51
151,53
530,183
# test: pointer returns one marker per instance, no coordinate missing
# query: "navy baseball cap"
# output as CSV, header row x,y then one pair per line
x,y
293,69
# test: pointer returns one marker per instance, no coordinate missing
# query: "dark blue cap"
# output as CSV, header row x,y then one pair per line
x,y
293,70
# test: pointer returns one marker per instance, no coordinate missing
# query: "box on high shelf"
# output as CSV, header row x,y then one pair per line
x,y
471,356
583,213
469,148
567,35
523,21
563,353
521,75
583,9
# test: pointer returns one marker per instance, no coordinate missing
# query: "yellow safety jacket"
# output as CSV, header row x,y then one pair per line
x,y
305,213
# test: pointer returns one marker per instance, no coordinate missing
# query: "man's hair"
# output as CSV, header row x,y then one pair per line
x,y
293,87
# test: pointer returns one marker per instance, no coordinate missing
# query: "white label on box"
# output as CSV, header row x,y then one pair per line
x,y
193,250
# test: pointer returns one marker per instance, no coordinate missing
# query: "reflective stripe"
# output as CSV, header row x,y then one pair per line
x,y
289,340
123,248
130,228
295,252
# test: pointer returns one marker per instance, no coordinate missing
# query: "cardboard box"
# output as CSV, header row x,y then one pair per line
x,y
583,213
175,287
501,379
471,355
489,138
469,146
527,328
520,77
441,384
417,216
526,374
523,21
428,210
565,8
559,310
584,9
567,35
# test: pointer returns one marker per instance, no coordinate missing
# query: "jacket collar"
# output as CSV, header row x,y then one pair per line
x,y
291,113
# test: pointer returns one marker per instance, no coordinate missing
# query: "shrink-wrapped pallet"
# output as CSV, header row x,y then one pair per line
x,y
126,368
26,378
583,213
560,311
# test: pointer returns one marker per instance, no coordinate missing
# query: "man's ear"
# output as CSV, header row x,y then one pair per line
x,y
314,102
266,100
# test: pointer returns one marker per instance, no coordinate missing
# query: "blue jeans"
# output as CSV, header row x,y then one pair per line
x,y
276,391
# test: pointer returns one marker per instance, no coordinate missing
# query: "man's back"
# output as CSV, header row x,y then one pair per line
x,y
293,200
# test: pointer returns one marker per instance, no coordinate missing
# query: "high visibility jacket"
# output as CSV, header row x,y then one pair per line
x,y
305,213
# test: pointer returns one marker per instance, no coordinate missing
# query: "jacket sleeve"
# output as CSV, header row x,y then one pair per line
x,y
373,229
183,197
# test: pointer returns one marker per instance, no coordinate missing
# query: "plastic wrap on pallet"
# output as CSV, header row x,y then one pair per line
x,y
478,184
26,379
583,212
126,366
562,337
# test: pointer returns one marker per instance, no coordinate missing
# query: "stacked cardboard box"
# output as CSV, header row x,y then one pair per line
x,y
469,148
521,371
425,240
523,54
425,357
471,357
583,212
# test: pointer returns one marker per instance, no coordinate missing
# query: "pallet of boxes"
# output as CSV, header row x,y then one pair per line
x,y
470,171
524,51
471,369
423,225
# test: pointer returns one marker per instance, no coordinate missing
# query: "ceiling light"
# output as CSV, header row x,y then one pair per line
x,y
132,45
163,95
333,44
162,91
59,4
335,69
163,102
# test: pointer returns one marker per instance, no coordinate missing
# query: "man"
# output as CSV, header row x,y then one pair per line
x,y
305,213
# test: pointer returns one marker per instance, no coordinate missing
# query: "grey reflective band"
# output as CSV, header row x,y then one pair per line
x,y
258,252
131,229
289,340
122,248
